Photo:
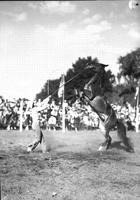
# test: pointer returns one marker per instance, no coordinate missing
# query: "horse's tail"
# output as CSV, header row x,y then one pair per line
x,y
121,128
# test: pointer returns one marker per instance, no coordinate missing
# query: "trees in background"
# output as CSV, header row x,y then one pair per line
x,y
49,88
124,90
129,66
75,79
129,74
82,75
78,83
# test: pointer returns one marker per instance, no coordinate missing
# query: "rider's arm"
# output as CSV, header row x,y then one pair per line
x,y
92,80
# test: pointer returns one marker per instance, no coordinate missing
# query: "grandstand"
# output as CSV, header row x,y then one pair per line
x,y
77,116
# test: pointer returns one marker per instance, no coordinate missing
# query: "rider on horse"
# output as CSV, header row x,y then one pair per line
x,y
93,94
95,86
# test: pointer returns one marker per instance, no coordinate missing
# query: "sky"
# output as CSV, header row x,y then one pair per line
x,y
40,40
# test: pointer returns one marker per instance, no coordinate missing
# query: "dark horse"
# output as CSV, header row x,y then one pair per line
x,y
93,94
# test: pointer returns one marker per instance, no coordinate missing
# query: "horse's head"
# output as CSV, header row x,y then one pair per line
x,y
99,67
97,78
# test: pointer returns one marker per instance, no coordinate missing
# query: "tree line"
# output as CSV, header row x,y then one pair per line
x,y
118,89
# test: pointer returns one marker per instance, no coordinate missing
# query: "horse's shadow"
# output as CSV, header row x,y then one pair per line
x,y
119,145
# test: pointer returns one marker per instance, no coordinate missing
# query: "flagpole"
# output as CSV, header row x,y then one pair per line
x,y
63,105
137,109
21,113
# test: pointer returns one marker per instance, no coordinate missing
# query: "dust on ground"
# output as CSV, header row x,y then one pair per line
x,y
72,170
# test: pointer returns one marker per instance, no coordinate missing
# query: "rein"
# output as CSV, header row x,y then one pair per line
x,y
66,83
88,67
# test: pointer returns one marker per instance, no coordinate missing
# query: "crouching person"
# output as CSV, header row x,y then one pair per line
x,y
39,137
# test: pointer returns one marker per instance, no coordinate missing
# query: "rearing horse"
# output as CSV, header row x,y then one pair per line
x,y
93,94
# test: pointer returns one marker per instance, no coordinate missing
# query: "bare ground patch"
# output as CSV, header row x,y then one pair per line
x,y
76,171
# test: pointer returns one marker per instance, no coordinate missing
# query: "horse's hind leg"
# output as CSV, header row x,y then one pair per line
x,y
106,144
109,139
122,134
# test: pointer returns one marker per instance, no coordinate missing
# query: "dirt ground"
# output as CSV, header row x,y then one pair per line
x,y
72,170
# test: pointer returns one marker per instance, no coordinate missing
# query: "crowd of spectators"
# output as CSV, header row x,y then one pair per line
x,y
77,116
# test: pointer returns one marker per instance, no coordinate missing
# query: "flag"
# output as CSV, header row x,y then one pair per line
x,y
137,92
61,87
46,101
